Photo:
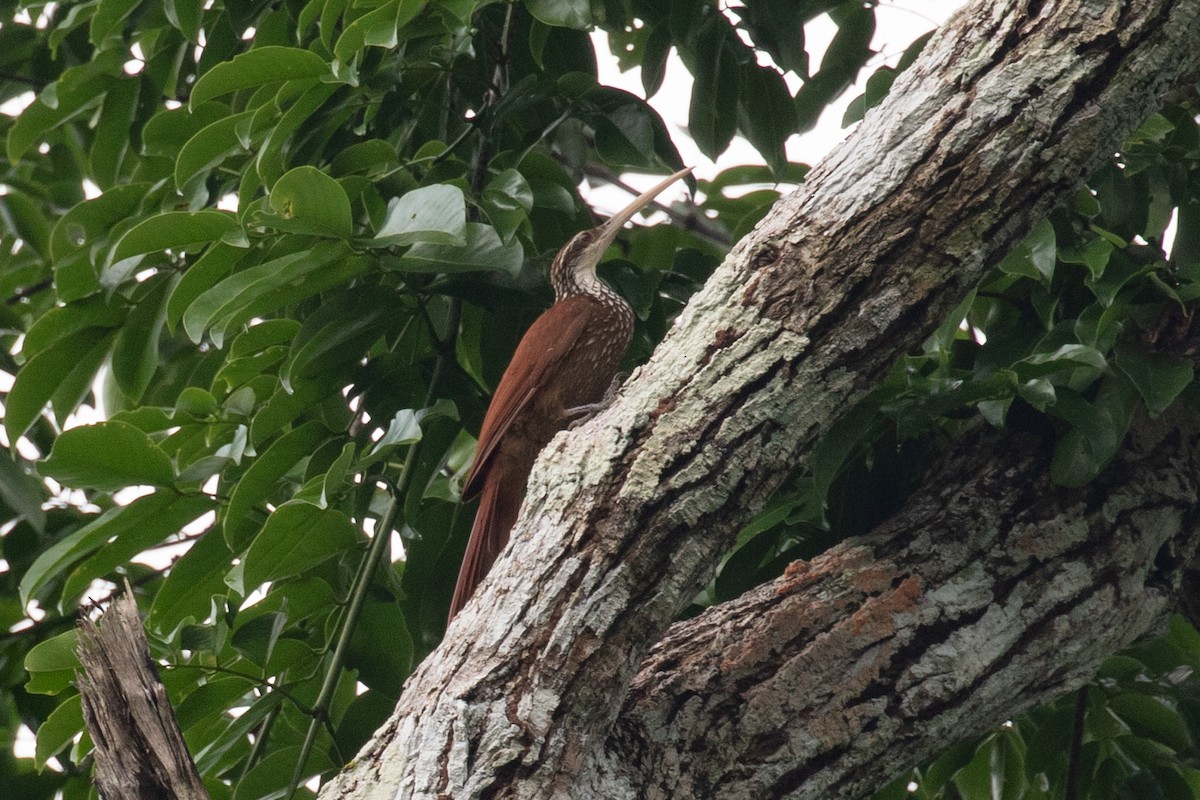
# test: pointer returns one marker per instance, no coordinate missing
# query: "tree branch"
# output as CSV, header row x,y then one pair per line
x,y
140,752
979,599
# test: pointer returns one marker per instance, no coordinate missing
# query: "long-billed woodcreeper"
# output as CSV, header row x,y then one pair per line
x,y
560,372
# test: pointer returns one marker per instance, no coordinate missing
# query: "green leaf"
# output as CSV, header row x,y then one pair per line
x,y
1070,353
242,518
297,537
78,90
185,15
52,664
381,648
135,355
507,200
309,196
372,157
270,777
575,14
377,28
212,698
215,264
405,427
108,18
229,298
768,115
434,214
75,277
1035,256
147,417
845,56
236,372
270,162
256,641
1152,717
1038,392
25,217
877,88
288,291
174,230
366,714
625,128
1094,255
1086,203
107,456
111,144
284,406
1186,252
210,146
262,65
778,28
711,122
340,332
91,220
483,251
654,59
467,348
58,729
335,476
845,437
263,336
22,491
71,320
1096,431
67,362
193,580
165,133
1158,379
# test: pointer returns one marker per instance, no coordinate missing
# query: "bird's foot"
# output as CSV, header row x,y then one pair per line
x,y
581,414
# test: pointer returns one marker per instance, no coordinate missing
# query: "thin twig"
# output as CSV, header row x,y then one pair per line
x,y
25,292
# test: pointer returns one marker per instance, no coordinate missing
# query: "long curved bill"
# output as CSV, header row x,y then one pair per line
x,y
609,230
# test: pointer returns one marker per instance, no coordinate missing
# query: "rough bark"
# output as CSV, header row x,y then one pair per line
x,y
979,599
140,753
1011,105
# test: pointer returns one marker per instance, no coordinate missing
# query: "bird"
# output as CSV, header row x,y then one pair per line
x,y
562,371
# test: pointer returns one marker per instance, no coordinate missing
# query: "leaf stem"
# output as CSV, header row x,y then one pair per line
x,y
366,572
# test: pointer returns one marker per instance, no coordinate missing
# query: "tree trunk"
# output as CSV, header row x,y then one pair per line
x,y
1010,106
981,598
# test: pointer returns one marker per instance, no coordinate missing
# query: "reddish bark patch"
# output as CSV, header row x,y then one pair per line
x,y
666,405
876,619
873,579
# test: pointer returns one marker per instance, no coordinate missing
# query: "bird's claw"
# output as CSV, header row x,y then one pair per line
x,y
581,414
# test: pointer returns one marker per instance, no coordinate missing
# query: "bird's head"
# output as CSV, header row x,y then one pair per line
x,y
574,267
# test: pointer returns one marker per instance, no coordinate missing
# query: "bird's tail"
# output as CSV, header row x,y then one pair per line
x,y
498,507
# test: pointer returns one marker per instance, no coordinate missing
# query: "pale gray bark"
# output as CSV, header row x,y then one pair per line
x,y
1008,109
